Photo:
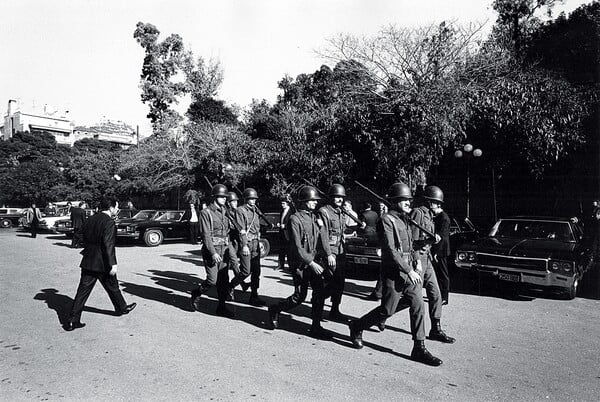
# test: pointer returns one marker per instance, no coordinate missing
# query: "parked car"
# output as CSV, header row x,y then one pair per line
x,y
9,217
125,214
168,225
363,251
269,235
531,251
65,225
49,219
126,227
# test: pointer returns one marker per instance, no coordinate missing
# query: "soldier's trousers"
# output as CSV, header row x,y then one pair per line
x,y
443,278
217,274
336,281
249,266
397,287
432,289
303,276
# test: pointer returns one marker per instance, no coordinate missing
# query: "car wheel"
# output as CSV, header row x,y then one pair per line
x,y
153,238
265,247
5,223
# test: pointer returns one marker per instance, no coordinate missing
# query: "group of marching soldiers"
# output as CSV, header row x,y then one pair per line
x,y
316,258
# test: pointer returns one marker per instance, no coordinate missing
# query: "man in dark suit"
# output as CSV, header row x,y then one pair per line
x,y
99,262
284,217
77,219
369,217
441,251
192,215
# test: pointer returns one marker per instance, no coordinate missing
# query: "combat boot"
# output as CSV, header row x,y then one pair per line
x,y
318,332
274,316
223,311
437,334
422,355
355,335
195,299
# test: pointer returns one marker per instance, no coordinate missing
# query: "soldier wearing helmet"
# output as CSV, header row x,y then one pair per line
x,y
400,279
215,236
305,237
234,235
422,244
247,219
333,221
440,250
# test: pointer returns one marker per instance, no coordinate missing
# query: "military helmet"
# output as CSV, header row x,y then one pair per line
x,y
337,190
250,193
434,193
399,190
219,190
308,193
232,196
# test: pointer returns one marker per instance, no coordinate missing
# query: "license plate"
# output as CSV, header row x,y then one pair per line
x,y
361,260
509,277
120,230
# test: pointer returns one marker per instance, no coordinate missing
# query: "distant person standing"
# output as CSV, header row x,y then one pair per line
x,y
130,205
369,217
99,263
441,250
77,220
192,214
34,216
284,218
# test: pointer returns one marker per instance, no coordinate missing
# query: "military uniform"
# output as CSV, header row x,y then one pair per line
x,y
334,226
215,237
305,236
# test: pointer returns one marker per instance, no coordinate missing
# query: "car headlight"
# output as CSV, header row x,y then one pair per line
x,y
466,256
130,229
561,266
378,252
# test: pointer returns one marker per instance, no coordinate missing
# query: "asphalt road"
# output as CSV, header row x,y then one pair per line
x,y
517,349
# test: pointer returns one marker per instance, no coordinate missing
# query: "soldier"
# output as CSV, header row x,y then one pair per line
x,y
440,250
215,235
423,216
232,204
332,219
247,219
305,235
399,277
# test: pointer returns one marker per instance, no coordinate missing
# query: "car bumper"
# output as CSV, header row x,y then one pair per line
x,y
365,262
538,278
128,235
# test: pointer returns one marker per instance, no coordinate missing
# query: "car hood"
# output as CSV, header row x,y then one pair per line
x,y
534,248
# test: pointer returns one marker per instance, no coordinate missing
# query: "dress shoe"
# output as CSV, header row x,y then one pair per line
x,y
256,301
223,311
274,317
381,326
127,309
373,297
444,302
422,355
439,335
355,335
335,315
195,300
70,326
319,333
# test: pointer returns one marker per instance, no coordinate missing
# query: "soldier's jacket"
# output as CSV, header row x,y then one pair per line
x,y
234,233
396,242
305,236
334,224
248,220
215,227
424,217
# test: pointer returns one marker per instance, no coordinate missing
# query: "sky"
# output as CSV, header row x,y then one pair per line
x,y
80,55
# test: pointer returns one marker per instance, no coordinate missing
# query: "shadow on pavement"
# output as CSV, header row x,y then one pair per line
x,y
62,245
61,304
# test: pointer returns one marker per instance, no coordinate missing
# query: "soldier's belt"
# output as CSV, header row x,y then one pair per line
x,y
251,237
220,241
334,240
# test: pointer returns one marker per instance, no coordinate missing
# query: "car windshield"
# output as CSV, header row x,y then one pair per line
x,y
145,214
529,229
170,216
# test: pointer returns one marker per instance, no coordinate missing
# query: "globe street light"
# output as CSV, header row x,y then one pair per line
x,y
468,152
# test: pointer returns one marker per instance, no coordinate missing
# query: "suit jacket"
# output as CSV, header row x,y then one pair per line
x,y
99,234
187,215
77,217
442,228
370,218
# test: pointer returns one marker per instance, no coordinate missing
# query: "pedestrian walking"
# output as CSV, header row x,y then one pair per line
x,y
99,263
284,240
77,221
33,216
441,250
191,215
400,279
305,236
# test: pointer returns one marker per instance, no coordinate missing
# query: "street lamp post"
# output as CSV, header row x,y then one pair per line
x,y
468,152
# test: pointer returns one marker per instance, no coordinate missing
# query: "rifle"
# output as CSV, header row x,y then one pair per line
x,y
355,219
386,202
